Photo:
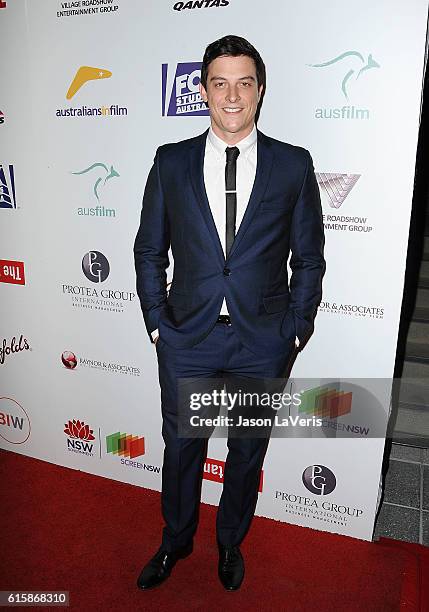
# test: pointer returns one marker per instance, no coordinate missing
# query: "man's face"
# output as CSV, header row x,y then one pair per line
x,y
232,94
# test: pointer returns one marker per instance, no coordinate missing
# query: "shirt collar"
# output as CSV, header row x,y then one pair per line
x,y
245,145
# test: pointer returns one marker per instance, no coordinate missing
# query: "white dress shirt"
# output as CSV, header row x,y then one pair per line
x,y
214,180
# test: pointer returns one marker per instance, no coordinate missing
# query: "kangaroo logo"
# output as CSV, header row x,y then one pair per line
x,y
109,174
362,66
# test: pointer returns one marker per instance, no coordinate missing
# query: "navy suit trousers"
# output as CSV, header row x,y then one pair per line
x,y
219,354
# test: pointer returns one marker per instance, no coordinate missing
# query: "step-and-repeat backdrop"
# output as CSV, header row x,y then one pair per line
x,y
90,88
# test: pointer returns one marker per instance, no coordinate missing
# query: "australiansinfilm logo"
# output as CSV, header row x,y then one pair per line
x,y
98,177
96,268
346,72
70,361
87,8
320,481
180,90
83,78
335,187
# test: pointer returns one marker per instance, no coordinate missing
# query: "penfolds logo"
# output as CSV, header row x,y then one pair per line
x,y
14,346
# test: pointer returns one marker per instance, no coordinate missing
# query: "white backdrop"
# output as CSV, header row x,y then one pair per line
x,y
343,81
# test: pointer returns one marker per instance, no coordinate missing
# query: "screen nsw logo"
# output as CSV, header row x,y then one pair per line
x,y
180,90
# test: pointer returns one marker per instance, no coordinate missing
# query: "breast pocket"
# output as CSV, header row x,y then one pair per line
x,y
282,205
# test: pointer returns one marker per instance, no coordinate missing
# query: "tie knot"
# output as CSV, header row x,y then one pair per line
x,y
231,154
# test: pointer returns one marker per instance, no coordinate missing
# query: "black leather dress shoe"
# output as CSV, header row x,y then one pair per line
x,y
159,567
231,567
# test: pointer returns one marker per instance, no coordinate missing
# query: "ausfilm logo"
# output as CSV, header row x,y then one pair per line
x,y
214,470
12,272
7,187
96,268
70,361
84,75
197,4
79,437
100,174
12,347
180,90
352,310
348,70
15,425
84,8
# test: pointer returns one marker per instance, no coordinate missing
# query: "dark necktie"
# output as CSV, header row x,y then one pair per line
x,y
231,194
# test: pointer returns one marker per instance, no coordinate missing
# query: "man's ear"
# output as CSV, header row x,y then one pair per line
x,y
261,88
203,93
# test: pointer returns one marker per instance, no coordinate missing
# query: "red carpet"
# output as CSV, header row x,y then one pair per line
x,y
64,529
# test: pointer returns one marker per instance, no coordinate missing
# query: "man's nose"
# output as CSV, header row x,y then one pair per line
x,y
232,93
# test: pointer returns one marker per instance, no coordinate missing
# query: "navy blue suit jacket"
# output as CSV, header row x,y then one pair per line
x,y
283,216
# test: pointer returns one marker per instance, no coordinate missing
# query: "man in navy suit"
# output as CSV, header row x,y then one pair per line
x,y
233,204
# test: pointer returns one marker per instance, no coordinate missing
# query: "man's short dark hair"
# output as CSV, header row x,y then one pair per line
x,y
233,46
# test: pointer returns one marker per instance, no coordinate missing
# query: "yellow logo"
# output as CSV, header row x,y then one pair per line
x,y
84,74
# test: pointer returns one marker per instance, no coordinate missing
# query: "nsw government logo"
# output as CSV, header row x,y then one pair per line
x,y
79,437
180,90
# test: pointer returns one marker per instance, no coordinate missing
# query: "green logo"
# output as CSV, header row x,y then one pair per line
x,y
354,57
103,172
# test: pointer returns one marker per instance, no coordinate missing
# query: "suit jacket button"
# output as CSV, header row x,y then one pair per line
x,y
226,271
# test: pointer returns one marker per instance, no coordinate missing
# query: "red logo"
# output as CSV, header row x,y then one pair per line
x,y
2,3
78,429
215,469
12,271
69,360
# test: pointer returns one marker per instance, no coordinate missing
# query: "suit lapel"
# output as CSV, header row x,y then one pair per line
x,y
263,170
196,155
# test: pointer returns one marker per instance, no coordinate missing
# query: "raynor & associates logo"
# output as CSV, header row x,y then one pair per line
x,y
350,67
83,75
180,90
96,268
352,310
101,174
70,361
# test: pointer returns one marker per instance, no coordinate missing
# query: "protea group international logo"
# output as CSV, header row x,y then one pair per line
x,y
180,90
95,266
319,479
351,67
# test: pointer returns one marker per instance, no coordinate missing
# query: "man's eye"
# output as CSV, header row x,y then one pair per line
x,y
218,85
245,83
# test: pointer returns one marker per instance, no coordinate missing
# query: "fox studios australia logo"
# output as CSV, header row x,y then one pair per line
x,y
319,479
180,91
7,186
350,68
